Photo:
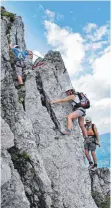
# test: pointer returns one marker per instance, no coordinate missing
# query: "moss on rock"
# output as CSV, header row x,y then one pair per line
x,y
20,160
101,203
7,14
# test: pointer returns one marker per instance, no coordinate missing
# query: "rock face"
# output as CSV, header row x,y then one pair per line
x,y
7,137
12,189
48,166
101,187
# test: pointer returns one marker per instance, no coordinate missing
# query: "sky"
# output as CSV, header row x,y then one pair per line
x,y
80,32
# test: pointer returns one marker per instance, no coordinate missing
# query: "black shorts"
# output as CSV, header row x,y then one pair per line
x,y
90,146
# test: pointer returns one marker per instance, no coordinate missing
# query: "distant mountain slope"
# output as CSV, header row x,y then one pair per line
x,y
103,153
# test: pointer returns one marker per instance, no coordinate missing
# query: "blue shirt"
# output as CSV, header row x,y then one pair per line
x,y
19,53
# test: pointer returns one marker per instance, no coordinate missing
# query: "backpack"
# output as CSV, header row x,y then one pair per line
x,y
84,101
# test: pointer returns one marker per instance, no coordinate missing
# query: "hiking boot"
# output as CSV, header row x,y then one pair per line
x,y
90,165
67,132
94,167
22,88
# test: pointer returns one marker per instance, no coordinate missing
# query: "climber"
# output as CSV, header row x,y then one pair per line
x,y
78,111
91,142
20,64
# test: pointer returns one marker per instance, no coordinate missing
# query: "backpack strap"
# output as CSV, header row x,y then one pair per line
x,y
86,126
79,95
93,129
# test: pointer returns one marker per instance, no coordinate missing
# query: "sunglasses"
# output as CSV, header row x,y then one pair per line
x,y
68,91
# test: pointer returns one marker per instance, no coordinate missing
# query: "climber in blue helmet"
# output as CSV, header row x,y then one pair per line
x,y
20,56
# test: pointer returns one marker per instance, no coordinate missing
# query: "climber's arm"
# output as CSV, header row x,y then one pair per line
x,y
11,45
97,135
71,97
29,52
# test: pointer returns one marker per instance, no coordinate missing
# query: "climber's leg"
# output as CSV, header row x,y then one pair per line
x,y
20,80
87,153
70,118
19,74
81,124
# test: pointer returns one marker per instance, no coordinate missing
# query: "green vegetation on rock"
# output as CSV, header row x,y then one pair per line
x,y
8,29
21,161
101,204
7,14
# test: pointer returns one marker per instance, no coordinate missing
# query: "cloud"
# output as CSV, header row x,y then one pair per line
x,y
68,43
50,14
97,88
36,54
97,83
87,59
100,114
53,16
96,45
89,27
102,68
96,33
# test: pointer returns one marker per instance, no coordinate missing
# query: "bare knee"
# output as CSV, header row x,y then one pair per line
x,y
69,117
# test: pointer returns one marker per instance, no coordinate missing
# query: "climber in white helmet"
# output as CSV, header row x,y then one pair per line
x,y
91,142
79,110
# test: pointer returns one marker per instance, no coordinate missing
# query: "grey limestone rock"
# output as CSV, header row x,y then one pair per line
x,y
7,137
100,184
12,189
62,155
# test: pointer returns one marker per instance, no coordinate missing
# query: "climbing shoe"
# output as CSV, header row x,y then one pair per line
x,y
90,165
66,132
94,167
22,88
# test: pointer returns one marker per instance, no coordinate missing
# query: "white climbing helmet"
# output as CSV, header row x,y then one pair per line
x,y
68,88
88,119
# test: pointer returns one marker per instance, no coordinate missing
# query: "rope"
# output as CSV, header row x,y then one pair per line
x,y
38,64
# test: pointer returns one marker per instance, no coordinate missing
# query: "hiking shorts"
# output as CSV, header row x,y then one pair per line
x,y
18,70
90,146
80,113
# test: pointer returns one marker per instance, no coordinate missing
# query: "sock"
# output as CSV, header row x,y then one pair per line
x,y
22,85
